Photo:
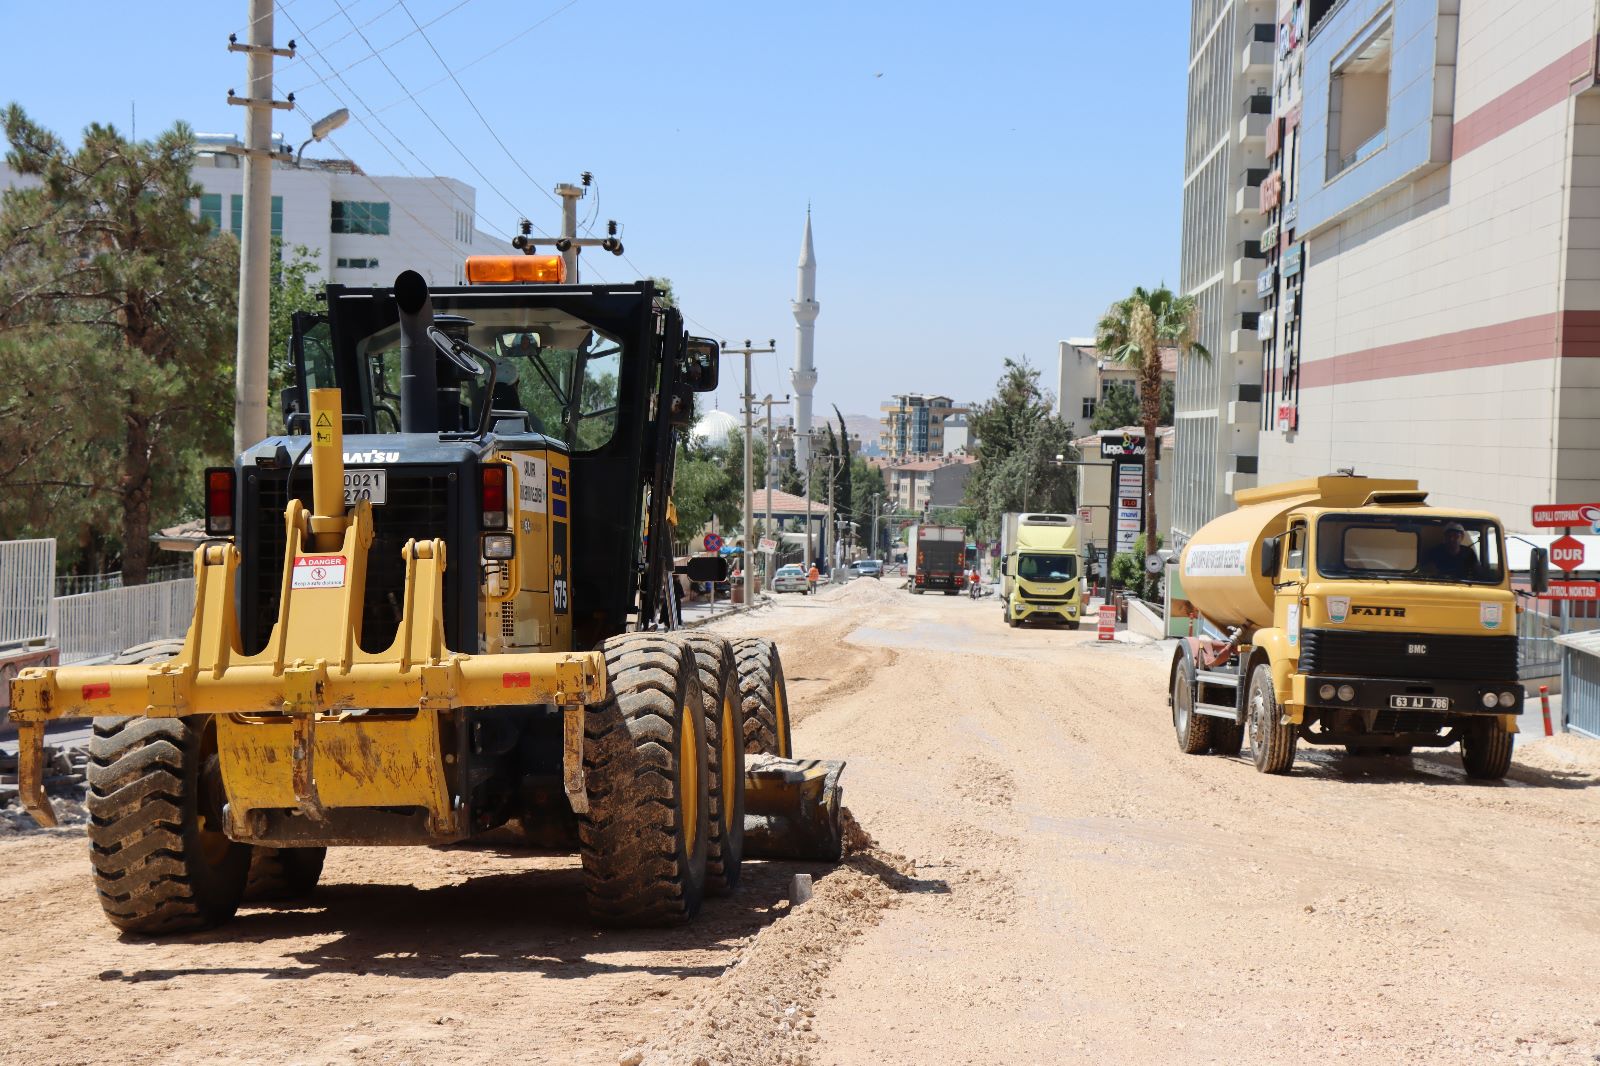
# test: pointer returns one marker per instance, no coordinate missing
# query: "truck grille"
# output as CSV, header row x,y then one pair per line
x,y
419,506
1446,658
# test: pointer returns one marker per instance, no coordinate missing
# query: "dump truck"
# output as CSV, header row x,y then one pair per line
x,y
938,558
1040,572
429,610
1344,610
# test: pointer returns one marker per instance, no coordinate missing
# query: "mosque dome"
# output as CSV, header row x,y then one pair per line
x,y
714,428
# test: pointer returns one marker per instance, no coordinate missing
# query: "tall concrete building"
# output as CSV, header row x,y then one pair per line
x,y
1217,408
913,425
804,376
1439,249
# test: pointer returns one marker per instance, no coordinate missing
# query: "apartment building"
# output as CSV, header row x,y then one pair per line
x,y
1084,378
1218,401
1438,249
913,424
928,483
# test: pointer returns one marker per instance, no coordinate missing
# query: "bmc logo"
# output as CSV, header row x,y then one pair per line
x,y
1416,649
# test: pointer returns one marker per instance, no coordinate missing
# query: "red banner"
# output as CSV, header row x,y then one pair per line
x,y
1562,515
1572,590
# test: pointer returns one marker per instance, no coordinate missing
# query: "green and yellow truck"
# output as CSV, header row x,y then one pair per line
x,y
1041,576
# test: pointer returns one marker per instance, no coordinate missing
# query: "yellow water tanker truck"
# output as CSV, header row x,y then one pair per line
x,y
1350,613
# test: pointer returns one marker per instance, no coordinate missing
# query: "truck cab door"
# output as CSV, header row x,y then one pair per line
x,y
1291,581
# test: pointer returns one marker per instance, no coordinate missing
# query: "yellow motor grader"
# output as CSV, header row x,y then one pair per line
x,y
432,609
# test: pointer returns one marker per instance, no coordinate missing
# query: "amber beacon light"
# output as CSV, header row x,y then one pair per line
x,y
509,269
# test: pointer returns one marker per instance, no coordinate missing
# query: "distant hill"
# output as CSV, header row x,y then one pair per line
x,y
867,428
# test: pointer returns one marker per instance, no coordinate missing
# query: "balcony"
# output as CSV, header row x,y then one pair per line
x,y
1253,127
1258,49
1247,197
1233,481
1243,340
1246,262
1258,104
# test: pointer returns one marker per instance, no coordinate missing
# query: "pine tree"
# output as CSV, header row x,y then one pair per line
x,y
117,319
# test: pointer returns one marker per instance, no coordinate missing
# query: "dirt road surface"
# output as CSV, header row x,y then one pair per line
x,y
1051,882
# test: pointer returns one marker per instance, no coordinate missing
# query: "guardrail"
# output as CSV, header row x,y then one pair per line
x,y
98,624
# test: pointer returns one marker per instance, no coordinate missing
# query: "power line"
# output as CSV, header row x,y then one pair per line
x,y
245,31
323,51
431,120
372,53
390,137
491,52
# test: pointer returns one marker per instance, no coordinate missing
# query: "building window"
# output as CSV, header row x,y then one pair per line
x,y
1089,404
357,264
211,209
359,216
1358,100
236,214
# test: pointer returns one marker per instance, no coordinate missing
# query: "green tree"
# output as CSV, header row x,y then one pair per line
x,y
117,329
1119,407
1019,437
296,285
1132,332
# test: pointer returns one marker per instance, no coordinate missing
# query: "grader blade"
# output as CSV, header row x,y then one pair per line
x,y
792,808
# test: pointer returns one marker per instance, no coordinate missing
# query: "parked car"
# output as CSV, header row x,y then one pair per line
x,y
867,568
789,578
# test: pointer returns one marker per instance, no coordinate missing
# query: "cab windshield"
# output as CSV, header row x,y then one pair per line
x,y
1047,568
555,374
1410,548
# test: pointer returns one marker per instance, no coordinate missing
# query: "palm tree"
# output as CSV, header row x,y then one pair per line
x,y
1132,332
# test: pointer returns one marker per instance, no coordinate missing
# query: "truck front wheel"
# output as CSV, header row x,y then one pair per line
x,y
1272,741
1486,750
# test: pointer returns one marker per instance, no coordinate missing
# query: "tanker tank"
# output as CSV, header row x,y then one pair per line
x,y
1221,563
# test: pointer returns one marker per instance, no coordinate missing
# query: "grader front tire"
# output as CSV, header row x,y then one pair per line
x,y
764,697
719,697
162,863
643,842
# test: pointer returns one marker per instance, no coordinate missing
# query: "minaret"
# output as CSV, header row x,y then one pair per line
x,y
804,376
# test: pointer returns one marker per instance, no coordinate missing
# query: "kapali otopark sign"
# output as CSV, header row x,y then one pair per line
x,y
1115,445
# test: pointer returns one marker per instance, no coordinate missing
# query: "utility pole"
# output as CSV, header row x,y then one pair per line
x,y
569,244
798,435
772,473
255,238
877,500
749,437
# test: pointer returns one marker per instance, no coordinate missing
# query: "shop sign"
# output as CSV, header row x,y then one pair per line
x,y
1264,282
1291,259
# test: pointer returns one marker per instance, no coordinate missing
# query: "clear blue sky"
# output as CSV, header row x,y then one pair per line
x,y
1015,168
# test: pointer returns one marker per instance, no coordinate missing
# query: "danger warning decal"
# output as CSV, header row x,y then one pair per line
x,y
318,572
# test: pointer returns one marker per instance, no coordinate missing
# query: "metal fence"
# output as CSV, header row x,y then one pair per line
x,y
27,568
96,624
76,584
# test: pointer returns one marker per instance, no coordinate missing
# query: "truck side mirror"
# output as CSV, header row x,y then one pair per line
x,y
1539,571
1003,569
1270,550
702,359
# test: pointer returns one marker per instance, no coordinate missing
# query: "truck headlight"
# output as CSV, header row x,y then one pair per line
x,y
499,546
1347,693
1508,699
1326,692
1490,699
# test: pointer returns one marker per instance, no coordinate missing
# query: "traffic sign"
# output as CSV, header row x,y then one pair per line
x,y
1567,553
1085,515
713,542
1152,564
767,544
1572,590
1563,515
1106,629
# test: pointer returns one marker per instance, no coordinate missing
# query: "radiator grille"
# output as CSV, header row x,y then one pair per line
x,y
418,506
1446,658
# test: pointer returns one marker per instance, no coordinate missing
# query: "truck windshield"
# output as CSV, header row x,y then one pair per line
x,y
1047,567
555,371
1410,548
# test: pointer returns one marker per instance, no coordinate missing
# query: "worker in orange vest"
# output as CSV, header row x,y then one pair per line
x,y
811,580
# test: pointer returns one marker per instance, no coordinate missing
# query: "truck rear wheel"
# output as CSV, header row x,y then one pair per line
x,y
719,700
763,697
1486,750
1194,730
1272,742
1226,737
643,842
162,863
283,873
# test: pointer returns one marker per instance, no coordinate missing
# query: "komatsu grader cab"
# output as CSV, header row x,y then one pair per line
x,y
434,608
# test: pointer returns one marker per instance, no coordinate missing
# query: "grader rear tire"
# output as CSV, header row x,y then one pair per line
x,y
643,842
283,873
161,861
764,697
719,699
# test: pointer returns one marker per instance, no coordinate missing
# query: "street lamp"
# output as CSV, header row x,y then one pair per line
x,y
322,127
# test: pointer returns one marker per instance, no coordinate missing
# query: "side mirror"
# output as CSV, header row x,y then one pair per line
x,y
1539,571
702,358
705,568
1003,564
1270,551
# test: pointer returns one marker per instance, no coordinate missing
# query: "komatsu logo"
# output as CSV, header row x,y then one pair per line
x,y
1378,612
372,457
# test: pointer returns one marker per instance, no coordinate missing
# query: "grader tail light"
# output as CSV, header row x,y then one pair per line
x,y
219,501
511,269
